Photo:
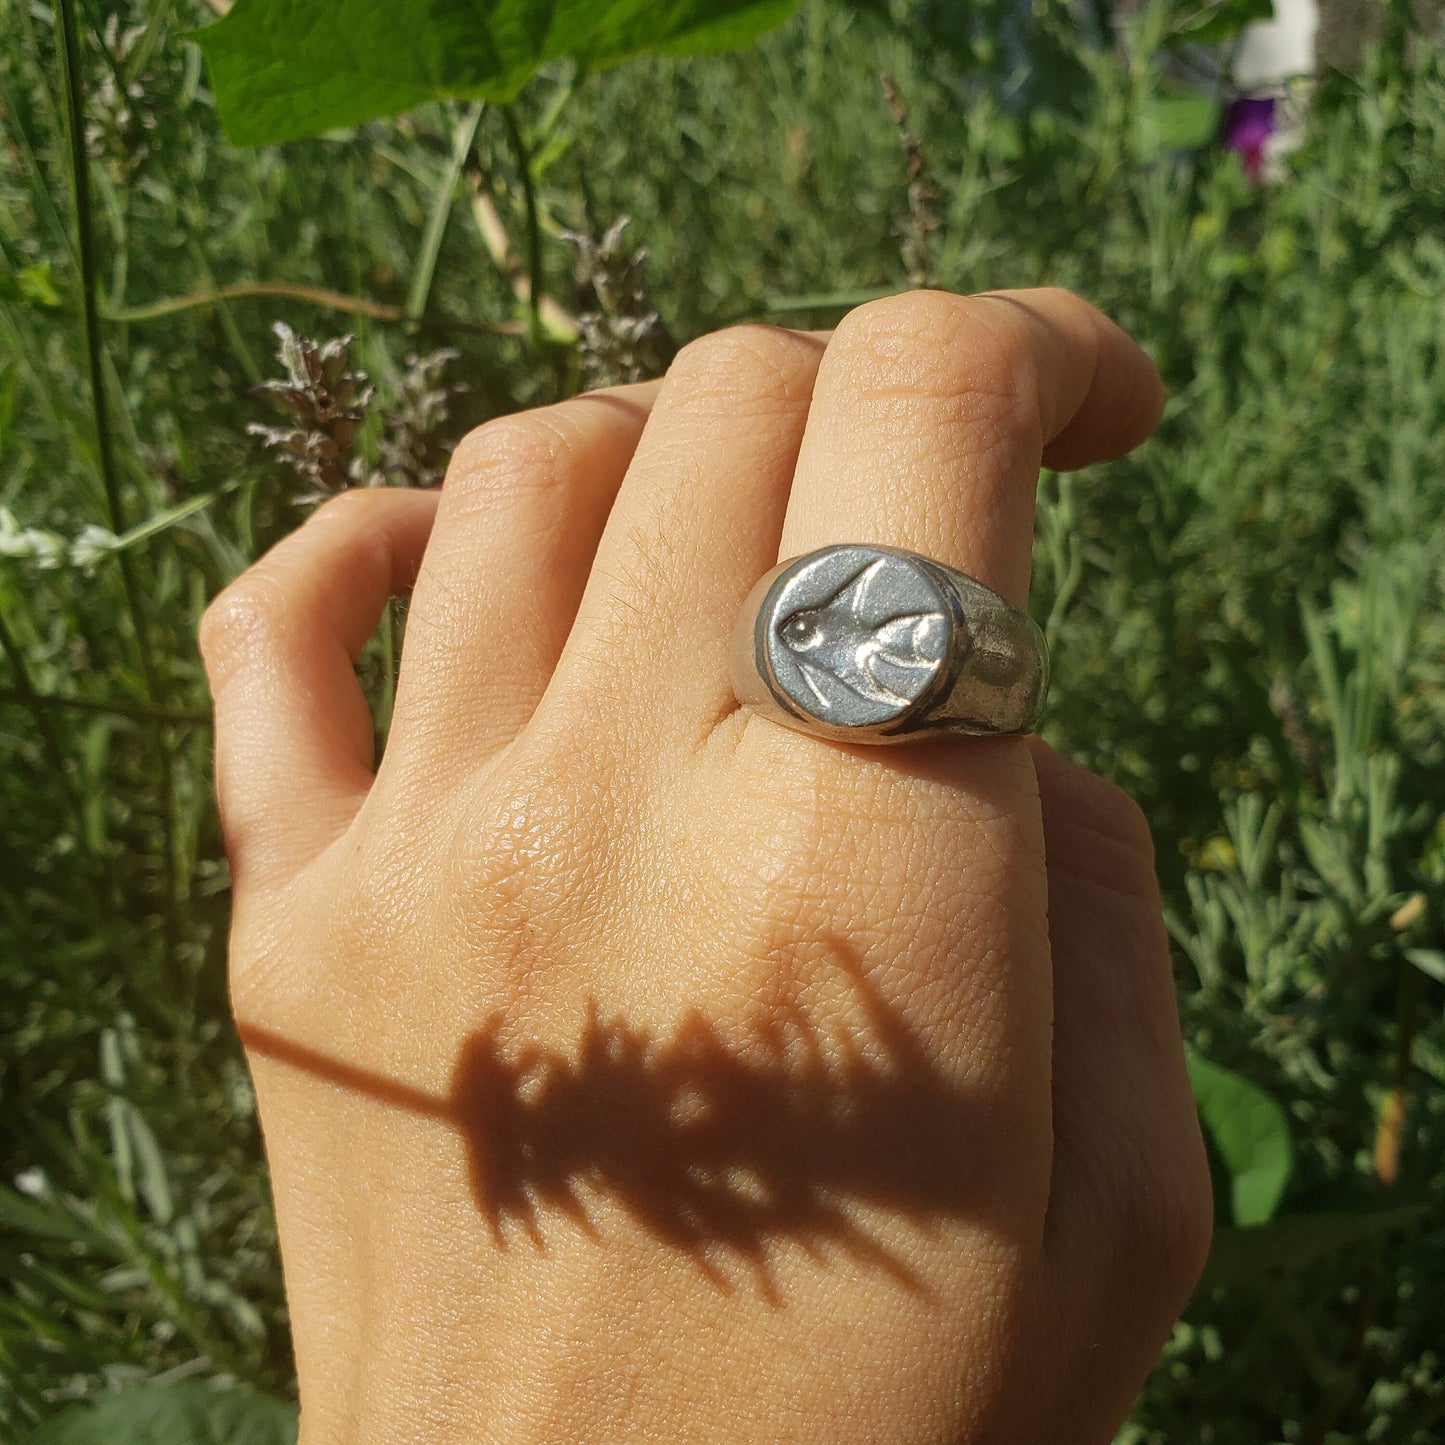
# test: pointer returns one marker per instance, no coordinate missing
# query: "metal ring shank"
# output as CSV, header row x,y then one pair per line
x,y
1001,684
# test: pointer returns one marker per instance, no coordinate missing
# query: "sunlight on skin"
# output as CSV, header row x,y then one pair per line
x,y
614,1046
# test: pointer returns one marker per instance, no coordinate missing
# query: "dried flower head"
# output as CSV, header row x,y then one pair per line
x,y
623,335
329,404
916,234
119,119
29,544
412,450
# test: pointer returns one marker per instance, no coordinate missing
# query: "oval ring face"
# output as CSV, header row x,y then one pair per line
x,y
855,636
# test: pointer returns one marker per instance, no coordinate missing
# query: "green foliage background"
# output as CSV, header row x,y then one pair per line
x,y
1245,616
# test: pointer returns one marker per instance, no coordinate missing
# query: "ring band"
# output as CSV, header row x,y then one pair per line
x,y
875,644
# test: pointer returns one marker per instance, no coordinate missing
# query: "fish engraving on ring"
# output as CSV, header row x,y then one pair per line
x,y
851,640
861,642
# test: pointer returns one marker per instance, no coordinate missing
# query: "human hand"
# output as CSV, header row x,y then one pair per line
x,y
634,1068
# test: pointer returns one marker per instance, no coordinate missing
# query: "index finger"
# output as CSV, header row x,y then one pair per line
x,y
293,732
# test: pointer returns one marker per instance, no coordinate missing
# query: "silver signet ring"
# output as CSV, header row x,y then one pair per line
x,y
874,644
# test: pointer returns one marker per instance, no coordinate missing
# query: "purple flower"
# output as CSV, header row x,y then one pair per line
x,y
1249,125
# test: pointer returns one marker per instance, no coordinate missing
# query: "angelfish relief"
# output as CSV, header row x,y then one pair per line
x,y
858,644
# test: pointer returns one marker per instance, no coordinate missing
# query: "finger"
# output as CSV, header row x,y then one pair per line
x,y
696,522
1129,1205
294,742
932,414
525,500
930,417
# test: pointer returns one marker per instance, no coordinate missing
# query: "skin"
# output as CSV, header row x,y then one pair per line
x,y
633,1068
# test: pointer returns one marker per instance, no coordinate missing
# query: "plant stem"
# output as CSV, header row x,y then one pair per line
x,y
559,325
255,374
155,28
24,692
90,317
441,210
1395,1111
96,20
313,295
23,146
826,300
40,702
1104,19
74,111
535,278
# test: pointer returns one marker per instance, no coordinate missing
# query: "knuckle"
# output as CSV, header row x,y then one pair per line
x,y
1168,1225
937,344
1063,296
927,317
746,361
248,617
996,348
1057,296
531,450
351,506
377,902
255,611
524,864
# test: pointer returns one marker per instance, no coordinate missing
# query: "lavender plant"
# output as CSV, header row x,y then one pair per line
x,y
414,445
119,123
328,404
1251,606
922,222
623,337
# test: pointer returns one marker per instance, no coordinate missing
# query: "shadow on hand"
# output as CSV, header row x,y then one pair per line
x,y
720,1149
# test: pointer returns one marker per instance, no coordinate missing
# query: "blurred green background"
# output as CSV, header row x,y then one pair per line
x,y
1245,615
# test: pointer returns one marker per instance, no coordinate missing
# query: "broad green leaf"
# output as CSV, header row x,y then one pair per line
x,y
188,1414
283,69
1179,120
1251,1135
1293,1244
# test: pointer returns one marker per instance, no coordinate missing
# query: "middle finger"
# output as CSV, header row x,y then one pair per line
x,y
932,413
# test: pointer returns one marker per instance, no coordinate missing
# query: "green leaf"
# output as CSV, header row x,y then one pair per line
x,y
283,69
1177,121
37,284
1250,1132
1241,1257
27,1217
189,1414
1212,24
1430,962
